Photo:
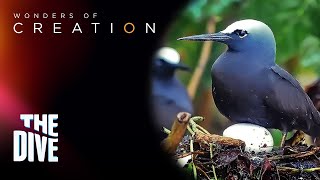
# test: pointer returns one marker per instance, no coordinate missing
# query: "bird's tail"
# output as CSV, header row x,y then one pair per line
x,y
313,91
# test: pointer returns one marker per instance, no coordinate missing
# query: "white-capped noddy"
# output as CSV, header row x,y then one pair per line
x,y
169,95
248,86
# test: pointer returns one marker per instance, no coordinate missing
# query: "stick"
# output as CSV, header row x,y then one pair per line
x,y
213,168
206,139
204,173
299,155
294,170
192,161
188,154
178,130
204,57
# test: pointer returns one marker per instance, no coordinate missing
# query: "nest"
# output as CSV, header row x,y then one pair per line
x,y
217,157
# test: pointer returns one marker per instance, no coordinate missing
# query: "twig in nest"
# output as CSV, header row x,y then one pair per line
x,y
188,154
278,175
206,139
202,172
290,170
298,155
166,131
192,161
190,130
193,127
211,156
178,130
309,153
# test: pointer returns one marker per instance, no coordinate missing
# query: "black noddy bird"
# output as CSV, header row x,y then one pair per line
x,y
249,87
169,96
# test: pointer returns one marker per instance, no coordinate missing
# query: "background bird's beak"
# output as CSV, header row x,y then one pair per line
x,y
182,66
219,37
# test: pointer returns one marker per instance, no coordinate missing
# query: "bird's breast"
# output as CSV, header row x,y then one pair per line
x,y
237,76
238,89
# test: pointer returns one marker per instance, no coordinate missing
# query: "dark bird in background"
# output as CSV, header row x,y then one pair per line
x,y
169,96
249,87
313,91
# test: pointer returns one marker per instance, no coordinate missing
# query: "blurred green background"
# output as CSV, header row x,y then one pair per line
x,y
295,26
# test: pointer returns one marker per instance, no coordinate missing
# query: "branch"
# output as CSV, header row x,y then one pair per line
x,y
178,130
294,156
290,170
207,139
204,57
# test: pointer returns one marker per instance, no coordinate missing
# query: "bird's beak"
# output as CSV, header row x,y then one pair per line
x,y
219,37
182,66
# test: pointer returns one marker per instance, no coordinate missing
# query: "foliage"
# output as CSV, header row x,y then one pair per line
x,y
294,25
293,22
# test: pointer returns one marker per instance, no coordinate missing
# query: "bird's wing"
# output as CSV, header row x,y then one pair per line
x,y
165,110
163,100
289,98
169,103
172,92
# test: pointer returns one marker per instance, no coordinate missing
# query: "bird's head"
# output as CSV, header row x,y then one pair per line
x,y
241,35
166,61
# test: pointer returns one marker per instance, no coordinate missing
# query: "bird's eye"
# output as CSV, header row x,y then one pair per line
x,y
241,33
160,62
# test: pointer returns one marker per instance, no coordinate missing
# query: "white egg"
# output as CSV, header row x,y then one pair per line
x,y
257,138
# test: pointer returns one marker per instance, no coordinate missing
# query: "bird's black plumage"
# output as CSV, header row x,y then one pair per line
x,y
313,91
169,95
248,86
